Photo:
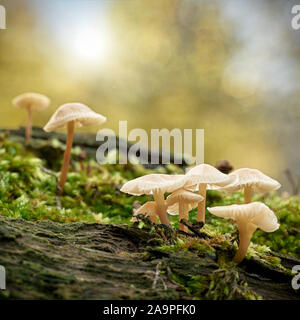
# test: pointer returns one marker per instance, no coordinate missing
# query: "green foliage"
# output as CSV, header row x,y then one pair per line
x,y
28,191
287,238
192,244
222,284
92,193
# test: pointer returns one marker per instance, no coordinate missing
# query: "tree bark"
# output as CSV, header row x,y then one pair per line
x,y
48,260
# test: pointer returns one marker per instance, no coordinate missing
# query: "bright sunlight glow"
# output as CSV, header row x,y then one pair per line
x,y
91,44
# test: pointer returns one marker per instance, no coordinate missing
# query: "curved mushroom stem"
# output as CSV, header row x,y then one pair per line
x,y
67,156
183,214
28,125
246,230
247,194
153,219
201,205
161,207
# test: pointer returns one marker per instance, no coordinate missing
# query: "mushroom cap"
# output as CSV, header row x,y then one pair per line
x,y
34,101
148,208
153,182
255,212
205,173
254,178
78,112
173,200
183,195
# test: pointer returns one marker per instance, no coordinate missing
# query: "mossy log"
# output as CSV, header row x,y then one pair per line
x,y
87,141
48,260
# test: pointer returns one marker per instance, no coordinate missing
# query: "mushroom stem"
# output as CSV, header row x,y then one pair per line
x,y
153,219
67,156
182,215
29,125
201,205
247,194
246,230
161,207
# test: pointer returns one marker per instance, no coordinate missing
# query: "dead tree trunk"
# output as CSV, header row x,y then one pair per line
x,y
48,260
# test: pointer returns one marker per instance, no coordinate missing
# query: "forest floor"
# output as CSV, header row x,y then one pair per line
x,y
82,245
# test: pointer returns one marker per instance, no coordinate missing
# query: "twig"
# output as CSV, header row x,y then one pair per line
x,y
157,273
163,282
158,276
187,234
51,173
195,228
160,232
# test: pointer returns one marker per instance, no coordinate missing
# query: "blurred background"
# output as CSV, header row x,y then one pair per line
x,y
230,67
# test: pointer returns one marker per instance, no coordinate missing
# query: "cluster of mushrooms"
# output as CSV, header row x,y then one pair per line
x,y
68,115
182,198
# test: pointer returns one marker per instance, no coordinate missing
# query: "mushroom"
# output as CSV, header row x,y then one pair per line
x,y
248,217
181,202
157,185
205,176
250,180
71,114
31,102
148,209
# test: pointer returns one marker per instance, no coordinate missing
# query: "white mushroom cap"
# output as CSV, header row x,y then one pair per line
x,y
34,101
191,198
148,209
78,112
207,174
256,213
154,182
251,178
182,194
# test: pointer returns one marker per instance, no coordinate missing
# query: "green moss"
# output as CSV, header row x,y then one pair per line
x,y
221,284
189,244
226,285
92,194
29,192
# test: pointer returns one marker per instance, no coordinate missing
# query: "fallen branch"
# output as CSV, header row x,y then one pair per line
x,y
195,228
157,276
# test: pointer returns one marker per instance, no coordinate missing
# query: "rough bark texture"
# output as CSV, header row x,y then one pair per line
x,y
47,260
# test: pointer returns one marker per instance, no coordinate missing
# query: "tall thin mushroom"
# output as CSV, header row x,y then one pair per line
x,y
203,177
156,185
248,217
181,202
71,114
31,102
250,180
